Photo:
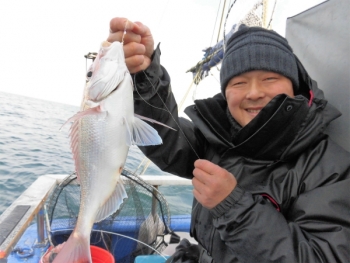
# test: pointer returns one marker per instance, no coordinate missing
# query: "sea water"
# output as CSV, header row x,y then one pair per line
x,y
32,144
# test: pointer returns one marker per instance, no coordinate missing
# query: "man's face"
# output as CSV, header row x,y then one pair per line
x,y
249,92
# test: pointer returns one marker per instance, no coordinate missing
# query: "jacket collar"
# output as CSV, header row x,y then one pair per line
x,y
266,137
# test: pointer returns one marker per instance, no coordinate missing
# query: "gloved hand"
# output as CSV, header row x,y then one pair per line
x,y
185,253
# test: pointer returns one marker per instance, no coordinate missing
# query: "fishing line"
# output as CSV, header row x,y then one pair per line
x,y
213,76
144,99
160,24
193,208
167,110
134,239
273,11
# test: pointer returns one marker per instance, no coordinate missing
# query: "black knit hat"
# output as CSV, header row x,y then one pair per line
x,y
257,48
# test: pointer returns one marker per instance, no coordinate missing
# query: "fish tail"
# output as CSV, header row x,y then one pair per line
x,y
76,249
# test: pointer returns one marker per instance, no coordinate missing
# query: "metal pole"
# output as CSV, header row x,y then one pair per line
x,y
222,17
48,227
154,202
40,221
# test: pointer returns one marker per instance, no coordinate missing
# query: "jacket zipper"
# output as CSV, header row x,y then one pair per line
x,y
211,241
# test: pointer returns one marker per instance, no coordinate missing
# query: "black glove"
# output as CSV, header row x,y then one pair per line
x,y
185,253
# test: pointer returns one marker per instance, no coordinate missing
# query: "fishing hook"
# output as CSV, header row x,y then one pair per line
x,y
124,33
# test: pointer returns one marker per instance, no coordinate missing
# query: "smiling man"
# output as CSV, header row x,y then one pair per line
x,y
248,93
269,185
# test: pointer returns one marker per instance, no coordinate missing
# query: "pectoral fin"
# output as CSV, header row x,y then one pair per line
x,y
142,134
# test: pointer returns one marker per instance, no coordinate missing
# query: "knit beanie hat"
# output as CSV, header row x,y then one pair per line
x,y
257,48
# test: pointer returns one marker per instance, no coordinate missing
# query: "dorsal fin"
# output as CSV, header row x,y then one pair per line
x,y
91,111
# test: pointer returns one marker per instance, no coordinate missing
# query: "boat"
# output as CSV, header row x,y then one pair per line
x,y
24,226
26,233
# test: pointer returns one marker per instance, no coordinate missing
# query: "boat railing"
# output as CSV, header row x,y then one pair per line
x,y
30,206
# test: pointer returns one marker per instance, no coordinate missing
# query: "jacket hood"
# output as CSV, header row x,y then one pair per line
x,y
285,126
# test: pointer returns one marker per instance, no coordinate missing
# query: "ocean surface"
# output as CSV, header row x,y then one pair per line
x,y
32,144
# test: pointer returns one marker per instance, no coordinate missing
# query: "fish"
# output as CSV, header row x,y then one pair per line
x,y
100,137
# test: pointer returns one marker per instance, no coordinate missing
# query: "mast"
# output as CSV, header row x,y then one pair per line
x,y
222,17
264,14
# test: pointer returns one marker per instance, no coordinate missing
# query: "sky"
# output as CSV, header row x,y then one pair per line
x,y
43,42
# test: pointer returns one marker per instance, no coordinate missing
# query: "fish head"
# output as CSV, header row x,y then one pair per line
x,y
106,72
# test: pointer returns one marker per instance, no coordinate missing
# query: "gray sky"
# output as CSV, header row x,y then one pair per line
x,y
43,42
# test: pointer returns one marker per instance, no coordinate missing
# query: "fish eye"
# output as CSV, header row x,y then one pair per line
x,y
89,74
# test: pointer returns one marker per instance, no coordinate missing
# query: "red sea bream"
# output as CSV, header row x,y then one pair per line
x,y
101,134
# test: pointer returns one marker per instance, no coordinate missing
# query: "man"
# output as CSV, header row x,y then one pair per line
x,y
269,185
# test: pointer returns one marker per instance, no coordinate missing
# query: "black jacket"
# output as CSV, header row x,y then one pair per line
x,y
292,202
